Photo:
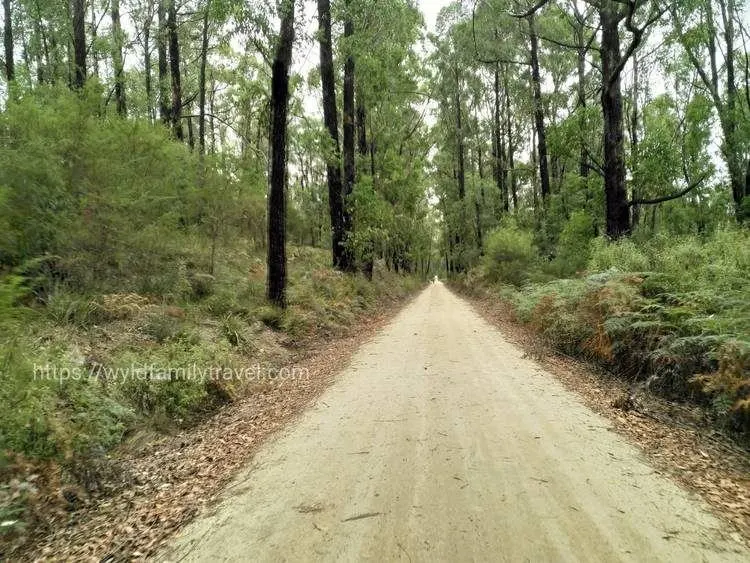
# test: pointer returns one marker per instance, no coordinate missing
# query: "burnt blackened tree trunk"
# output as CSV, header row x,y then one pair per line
x,y
117,64
163,64
541,133
276,282
10,68
617,209
330,118
174,71
78,9
348,261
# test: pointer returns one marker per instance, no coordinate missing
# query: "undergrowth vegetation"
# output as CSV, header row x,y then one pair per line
x,y
670,313
122,285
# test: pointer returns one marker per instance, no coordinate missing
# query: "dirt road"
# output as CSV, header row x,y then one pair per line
x,y
442,443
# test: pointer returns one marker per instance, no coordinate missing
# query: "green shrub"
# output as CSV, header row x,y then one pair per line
x,y
622,255
573,247
510,256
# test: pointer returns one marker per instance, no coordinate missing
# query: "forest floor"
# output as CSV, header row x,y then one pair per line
x,y
442,440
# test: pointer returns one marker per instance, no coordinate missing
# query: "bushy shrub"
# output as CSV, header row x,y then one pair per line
x,y
622,255
573,247
510,255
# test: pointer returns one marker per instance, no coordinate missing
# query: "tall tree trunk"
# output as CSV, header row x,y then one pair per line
x,y
511,146
461,171
163,64
330,118
276,282
174,71
583,161
202,83
79,42
93,51
211,122
147,63
117,63
634,117
368,259
191,134
10,67
361,125
501,174
348,263
617,209
736,162
541,134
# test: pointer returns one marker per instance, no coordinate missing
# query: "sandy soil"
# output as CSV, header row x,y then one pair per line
x,y
442,442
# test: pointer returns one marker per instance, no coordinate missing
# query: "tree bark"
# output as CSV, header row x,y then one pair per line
x,y
583,163
501,175
174,71
541,134
461,171
10,67
368,259
276,282
617,209
348,261
147,62
165,108
79,43
634,140
202,83
330,118
511,146
117,63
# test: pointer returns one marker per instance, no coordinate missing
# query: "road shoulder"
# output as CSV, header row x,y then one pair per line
x,y
698,458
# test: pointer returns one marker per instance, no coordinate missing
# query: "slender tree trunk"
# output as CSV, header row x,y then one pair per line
x,y
202,83
174,71
501,174
10,67
511,178
276,283
361,125
541,134
330,118
368,260
211,122
79,42
117,62
163,64
147,63
634,117
191,133
617,209
93,52
348,262
583,163
460,172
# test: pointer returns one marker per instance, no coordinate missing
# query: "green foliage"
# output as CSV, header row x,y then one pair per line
x,y
622,256
573,247
672,312
510,256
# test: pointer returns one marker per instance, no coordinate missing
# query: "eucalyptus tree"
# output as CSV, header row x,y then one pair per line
x,y
709,32
276,277
9,49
